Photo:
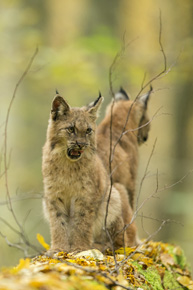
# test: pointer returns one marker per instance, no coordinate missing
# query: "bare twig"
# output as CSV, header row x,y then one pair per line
x,y
144,125
165,70
111,70
143,86
25,196
145,173
159,220
6,128
6,163
90,271
154,194
10,226
177,182
124,131
115,61
150,236
13,245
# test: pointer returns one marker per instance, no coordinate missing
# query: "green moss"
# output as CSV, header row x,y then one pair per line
x,y
178,254
152,276
169,281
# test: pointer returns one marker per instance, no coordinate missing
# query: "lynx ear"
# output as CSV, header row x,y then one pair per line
x,y
121,95
94,106
145,98
59,107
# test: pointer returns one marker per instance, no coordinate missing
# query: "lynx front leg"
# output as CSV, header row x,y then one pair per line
x,y
59,235
81,225
58,221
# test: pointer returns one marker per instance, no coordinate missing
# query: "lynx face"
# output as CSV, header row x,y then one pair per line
x,y
76,148
73,129
144,123
77,136
144,127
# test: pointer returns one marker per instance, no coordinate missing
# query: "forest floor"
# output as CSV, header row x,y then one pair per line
x,y
153,265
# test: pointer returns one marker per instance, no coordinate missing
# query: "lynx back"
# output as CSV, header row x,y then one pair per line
x,y
130,128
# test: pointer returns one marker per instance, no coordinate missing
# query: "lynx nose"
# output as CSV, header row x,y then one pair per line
x,y
80,145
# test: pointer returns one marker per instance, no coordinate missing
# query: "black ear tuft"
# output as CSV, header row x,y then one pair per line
x,y
123,92
121,95
145,98
57,93
93,107
96,101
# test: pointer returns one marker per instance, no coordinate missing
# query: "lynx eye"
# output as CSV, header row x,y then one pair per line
x,y
71,129
88,131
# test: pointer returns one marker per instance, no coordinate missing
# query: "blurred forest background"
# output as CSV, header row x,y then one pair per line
x,y
77,42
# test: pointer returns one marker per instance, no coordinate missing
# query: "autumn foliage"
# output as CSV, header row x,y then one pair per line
x,y
153,265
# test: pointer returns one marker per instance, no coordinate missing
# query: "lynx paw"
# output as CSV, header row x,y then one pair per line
x,y
52,252
77,250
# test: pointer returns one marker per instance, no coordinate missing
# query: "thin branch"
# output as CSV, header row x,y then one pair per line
x,y
6,126
145,173
150,236
160,43
90,271
165,70
115,61
143,81
143,86
23,197
111,70
10,226
13,245
133,130
147,123
6,162
112,148
135,214
177,182
159,220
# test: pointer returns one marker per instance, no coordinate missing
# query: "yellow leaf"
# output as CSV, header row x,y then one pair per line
x,y
184,280
40,239
22,264
126,251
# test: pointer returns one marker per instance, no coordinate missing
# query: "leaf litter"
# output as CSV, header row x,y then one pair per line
x,y
153,265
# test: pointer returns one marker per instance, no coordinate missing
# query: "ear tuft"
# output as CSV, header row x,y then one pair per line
x,y
57,93
121,95
145,98
93,107
96,101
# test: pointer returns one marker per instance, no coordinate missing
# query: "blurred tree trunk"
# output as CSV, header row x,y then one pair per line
x,y
182,152
65,20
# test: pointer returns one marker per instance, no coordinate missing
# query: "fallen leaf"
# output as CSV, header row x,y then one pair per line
x,y
184,280
23,264
167,259
125,251
96,254
41,240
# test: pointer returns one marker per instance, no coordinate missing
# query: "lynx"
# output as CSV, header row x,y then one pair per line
x,y
127,134
76,184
